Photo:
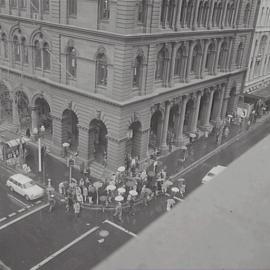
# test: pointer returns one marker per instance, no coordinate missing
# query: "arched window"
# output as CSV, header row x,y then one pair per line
x,y
71,61
37,54
170,13
72,7
189,13
179,61
24,50
215,10
219,12
222,56
246,14
196,55
142,11
104,9
5,45
210,57
163,12
239,56
137,71
16,49
262,46
262,15
46,56
160,64
205,14
183,12
200,14
230,15
102,69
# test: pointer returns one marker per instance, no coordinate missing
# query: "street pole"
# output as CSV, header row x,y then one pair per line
x,y
70,173
39,155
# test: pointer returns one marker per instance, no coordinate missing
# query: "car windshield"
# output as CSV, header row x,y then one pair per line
x,y
211,174
28,184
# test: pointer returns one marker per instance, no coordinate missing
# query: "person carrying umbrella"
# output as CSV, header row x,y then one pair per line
x,y
118,211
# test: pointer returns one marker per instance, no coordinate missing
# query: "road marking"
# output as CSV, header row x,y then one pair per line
x,y
2,219
12,214
52,256
19,201
23,216
21,210
120,227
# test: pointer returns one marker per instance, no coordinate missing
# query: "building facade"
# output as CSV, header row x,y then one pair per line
x,y
258,75
116,77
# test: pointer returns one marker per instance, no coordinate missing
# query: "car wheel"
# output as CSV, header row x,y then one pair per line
x,y
27,198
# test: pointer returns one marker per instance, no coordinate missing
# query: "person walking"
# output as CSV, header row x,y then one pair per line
x,y
118,211
52,203
170,204
85,193
77,208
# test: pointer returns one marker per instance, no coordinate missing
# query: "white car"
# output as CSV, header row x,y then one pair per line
x,y
24,186
213,173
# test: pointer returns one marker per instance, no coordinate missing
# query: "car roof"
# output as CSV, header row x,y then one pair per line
x,y
217,169
21,178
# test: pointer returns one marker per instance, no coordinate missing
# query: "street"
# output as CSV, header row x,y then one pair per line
x,y
37,239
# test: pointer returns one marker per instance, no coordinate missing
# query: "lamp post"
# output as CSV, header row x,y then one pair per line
x,y
39,133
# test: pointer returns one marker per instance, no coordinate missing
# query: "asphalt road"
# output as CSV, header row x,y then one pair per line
x,y
59,240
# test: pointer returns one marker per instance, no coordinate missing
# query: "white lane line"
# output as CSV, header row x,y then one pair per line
x,y
52,256
19,201
21,210
2,219
120,227
12,214
23,216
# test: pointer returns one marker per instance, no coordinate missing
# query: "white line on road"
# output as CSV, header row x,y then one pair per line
x,y
21,210
12,214
120,227
23,216
64,248
19,201
2,219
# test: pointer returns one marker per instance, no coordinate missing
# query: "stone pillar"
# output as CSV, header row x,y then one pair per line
x,y
220,104
236,14
215,67
178,15
34,116
184,16
206,118
180,123
172,64
224,14
228,62
206,44
190,54
224,107
83,142
164,146
195,114
209,23
194,26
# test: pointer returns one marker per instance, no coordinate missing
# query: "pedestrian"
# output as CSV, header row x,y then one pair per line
x,y
85,193
182,190
118,211
226,131
248,124
170,204
52,202
79,198
61,188
131,206
77,208
155,166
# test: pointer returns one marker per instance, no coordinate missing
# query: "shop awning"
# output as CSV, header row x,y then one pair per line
x,y
16,142
263,94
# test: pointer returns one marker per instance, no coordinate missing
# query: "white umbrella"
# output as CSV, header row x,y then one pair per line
x,y
110,187
192,135
119,198
133,192
167,183
175,189
121,190
183,147
121,169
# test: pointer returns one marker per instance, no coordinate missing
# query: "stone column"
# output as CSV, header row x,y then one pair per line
x,y
206,119
220,104
206,44
34,116
172,64
235,15
180,123
224,14
195,15
230,52
178,15
164,146
224,107
210,15
190,54
195,114
184,16
215,67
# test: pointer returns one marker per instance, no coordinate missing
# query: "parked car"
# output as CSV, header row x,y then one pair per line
x,y
213,173
24,186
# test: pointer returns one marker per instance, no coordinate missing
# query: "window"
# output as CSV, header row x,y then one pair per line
x,y
205,14
34,6
183,10
170,13
16,49
137,71
37,54
104,9
160,64
200,14
13,3
189,13
195,65
72,61
22,4
222,56
163,12
214,14
102,69
5,45
141,11
219,14
239,56
246,14
46,5
178,61
210,52
46,56
24,50
230,15
72,7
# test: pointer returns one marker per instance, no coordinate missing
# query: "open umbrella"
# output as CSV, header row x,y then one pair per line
x,y
167,183
110,187
97,185
192,135
151,174
121,169
175,189
121,190
133,192
130,183
119,198
147,190
183,147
